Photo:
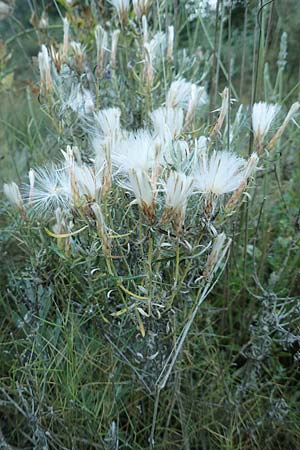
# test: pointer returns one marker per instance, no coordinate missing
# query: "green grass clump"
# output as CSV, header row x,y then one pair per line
x,y
85,356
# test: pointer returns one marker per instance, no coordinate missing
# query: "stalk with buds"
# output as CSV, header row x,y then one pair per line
x,y
293,110
114,45
249,172
263,114
102,230
219,249
45,71
12,193
66,39
101,37
223,113
170,49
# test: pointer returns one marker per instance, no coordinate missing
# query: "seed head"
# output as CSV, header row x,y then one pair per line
x,y
170,43
66,39
141,7
52,189
178,188
263,114
12,193
217,253
101,45
137,151
122,9
45,71
140,183
167,123
218,173
114,44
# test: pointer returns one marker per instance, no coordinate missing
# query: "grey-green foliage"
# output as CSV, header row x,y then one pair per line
x,y
71,380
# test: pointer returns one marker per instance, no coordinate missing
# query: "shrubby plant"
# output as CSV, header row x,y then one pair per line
x,y
185,184
143,190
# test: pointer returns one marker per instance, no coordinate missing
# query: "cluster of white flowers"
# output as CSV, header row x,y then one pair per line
x,y
61,65
162,167
142,163
178,174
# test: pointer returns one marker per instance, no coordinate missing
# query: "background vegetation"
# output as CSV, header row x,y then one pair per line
x,y
64,382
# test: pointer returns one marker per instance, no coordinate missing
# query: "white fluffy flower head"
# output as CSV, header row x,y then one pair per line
x,y
140,184
52,190
154,48
45,70
80,101
219,250
137,151
178,93
12,193
122,8
219,172
178,188
167,122
141,7
263,115
107,123
89,182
